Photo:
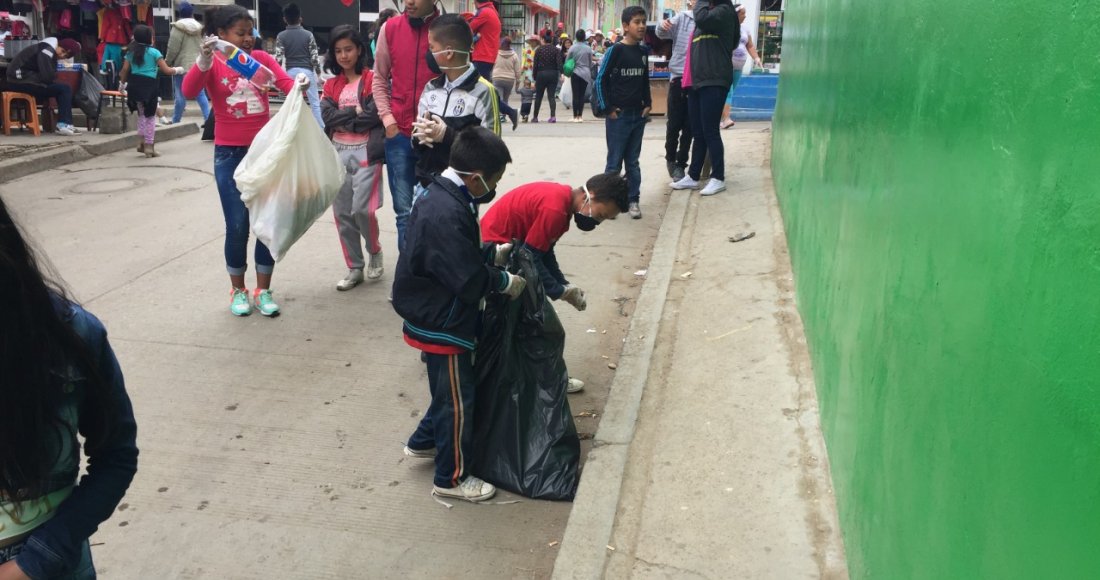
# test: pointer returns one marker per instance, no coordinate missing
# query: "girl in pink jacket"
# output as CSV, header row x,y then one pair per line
x,y
241,109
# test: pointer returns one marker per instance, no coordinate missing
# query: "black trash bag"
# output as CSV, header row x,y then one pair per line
x,y
525,439
87,98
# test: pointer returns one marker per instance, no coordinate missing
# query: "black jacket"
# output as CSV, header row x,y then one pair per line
x,y
34,65
442,274
348,120
717,33
623,79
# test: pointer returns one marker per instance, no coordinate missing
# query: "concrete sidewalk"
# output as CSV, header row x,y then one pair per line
x,y
22,153
709,461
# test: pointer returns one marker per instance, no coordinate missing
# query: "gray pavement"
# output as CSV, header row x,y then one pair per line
x,y
715,466
271,448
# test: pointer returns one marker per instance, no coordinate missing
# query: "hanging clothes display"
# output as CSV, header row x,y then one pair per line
x,y
114,33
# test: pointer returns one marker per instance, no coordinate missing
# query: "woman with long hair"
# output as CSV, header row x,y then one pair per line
x,y
352,122
58,379
241,110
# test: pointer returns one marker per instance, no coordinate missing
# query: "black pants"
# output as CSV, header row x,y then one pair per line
x,y
678,129
546,81
580,87
705,106
63,94
525,108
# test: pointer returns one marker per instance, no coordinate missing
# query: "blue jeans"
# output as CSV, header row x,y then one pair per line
x,y
84,569
624,145
62,92
705,109
312,96
181,101
448,425
401,169
226,160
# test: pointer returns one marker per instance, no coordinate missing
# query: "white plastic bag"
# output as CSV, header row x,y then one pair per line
x,y
289,177
567,94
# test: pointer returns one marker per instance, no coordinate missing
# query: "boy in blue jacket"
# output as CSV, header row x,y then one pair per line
x,y
441,279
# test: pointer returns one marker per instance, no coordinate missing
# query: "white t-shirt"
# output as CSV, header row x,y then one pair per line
x,y
741,53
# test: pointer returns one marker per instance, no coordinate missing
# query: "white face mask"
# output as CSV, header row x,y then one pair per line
x,y
434,66
488,192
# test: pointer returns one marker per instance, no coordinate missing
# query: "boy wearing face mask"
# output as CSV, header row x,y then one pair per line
x,y
457,99
538,214
441,279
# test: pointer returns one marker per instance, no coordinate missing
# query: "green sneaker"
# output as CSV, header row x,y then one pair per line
x,y
240,306
265,303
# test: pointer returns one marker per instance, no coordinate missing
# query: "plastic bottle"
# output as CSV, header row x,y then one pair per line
x,y
240,61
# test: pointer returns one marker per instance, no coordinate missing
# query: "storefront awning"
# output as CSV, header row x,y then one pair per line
x,y
537,7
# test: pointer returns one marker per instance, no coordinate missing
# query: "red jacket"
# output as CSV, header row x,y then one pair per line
x,y
400,71
113,28
486,27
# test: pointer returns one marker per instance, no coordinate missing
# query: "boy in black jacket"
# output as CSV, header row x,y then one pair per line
x,y
442,277
622,94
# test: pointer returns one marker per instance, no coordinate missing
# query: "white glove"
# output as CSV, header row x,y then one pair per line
x,y
429,130
575,297
179,70
122,88
205,61
515,286
503,252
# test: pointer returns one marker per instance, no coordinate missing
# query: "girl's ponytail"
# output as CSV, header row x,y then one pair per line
x,y
143,38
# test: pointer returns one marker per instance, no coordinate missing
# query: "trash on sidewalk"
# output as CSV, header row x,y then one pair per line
x,y
289,177
742,237
686,275
525,439
730,333
591,331
641,272
612,366
588,414
552,544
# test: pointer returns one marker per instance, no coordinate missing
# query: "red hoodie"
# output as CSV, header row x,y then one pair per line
x,y
400,71
486,25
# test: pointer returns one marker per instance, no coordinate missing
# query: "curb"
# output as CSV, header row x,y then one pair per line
x,y
591,522
30,164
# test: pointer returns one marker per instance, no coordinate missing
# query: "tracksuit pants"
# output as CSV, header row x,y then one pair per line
x,y
448,424
357,204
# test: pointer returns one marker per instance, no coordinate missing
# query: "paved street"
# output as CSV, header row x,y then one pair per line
x,y
272,448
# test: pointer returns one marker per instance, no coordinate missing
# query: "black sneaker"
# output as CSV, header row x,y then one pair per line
x,y
678,173
514,116
672,167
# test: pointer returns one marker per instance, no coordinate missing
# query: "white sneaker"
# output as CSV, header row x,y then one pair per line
x,y
375,267
686,183
164,120
354,277
419,453
472,489
575,386
66,130
713,186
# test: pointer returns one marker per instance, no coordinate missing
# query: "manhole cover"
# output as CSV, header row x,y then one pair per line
x,y
107,185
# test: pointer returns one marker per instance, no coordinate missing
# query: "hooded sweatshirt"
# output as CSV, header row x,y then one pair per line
x,y
184,43
36,64
508,67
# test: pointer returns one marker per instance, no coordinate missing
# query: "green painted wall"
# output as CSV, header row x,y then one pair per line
x,y
938,167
